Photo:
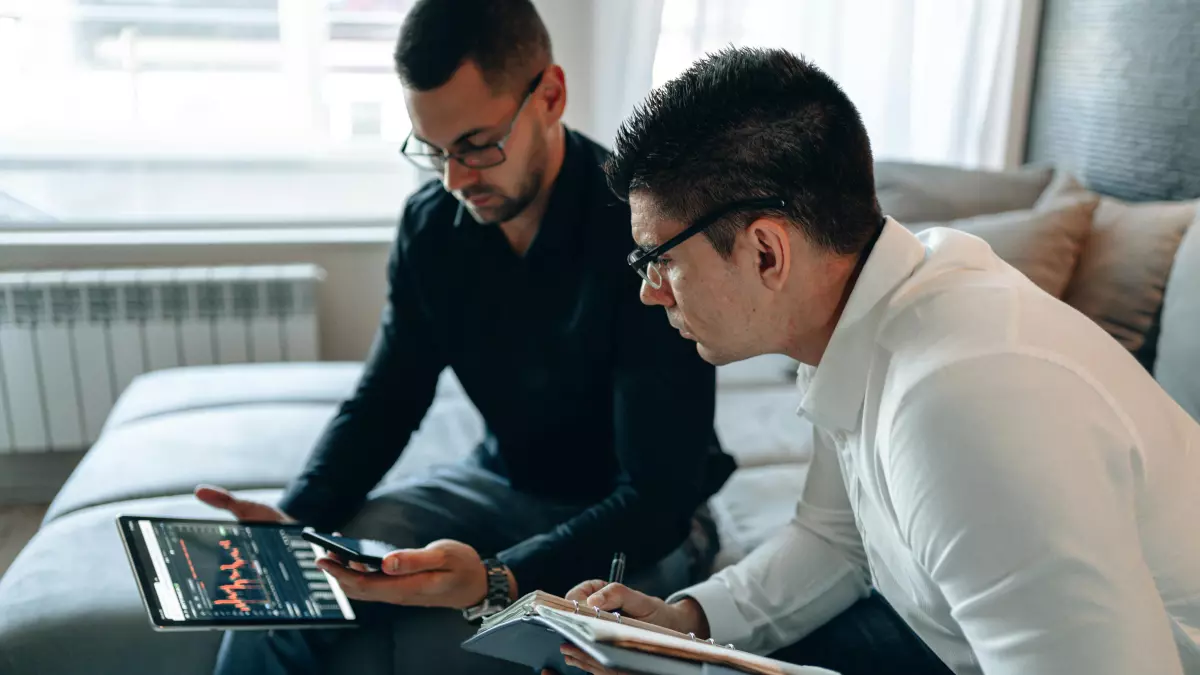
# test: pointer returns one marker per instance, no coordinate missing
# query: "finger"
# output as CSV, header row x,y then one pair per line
x,y
581,592
414,561
620,596
572,651
359,567
588,664
349,580
215,496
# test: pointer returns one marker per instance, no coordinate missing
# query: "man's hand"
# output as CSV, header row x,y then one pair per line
x,y
242,509
445,573
685,616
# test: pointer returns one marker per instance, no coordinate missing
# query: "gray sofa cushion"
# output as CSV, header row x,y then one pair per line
x,y
913,193
1178,364
206,387
261,446
243,427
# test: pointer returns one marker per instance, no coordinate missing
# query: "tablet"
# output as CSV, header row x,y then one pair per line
x,y
220,574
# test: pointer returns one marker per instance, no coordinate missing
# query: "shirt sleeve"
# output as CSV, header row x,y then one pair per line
x,y
670,461
809,572
371,428
1014,482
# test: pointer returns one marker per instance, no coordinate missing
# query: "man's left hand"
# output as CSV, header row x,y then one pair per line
x,y
446,573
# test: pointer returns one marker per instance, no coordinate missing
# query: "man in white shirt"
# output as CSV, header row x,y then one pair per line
x,y
1007,477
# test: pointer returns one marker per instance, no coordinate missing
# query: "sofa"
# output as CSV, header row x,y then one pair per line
x,y
68,603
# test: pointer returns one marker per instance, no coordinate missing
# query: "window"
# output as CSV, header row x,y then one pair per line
x,y
157,112
184,78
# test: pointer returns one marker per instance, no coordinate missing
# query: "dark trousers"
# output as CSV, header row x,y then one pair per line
x,y
867,639
462,501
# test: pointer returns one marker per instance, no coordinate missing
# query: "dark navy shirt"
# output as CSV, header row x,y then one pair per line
x,y
588,395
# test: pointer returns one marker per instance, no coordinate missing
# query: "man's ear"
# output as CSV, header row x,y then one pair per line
x,y
770,240
554,93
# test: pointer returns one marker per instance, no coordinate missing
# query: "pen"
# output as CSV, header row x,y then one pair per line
x,y
616,573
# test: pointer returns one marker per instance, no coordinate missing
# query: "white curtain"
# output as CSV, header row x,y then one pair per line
x,y
625,35
934,80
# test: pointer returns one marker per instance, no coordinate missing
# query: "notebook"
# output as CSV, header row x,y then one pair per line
x,y
531,630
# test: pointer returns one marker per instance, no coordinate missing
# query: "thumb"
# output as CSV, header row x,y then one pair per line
x,y
215,496
619,596
414,560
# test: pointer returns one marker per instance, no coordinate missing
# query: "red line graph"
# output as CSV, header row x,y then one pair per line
x,y
187,555
238,582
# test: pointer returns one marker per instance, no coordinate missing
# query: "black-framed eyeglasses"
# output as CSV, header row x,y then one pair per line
x,y
646,262
428,157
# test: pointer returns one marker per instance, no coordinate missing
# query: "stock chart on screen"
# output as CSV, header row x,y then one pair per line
x,y
214,571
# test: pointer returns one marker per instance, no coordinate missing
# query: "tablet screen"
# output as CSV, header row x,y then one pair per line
x,y
220,573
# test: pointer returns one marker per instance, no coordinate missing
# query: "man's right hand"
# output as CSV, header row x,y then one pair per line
x,y
242,509
685,616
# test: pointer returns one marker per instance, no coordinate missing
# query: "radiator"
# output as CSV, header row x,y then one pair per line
x,y
71,341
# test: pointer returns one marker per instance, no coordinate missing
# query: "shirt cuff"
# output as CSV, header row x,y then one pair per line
x,y
725,622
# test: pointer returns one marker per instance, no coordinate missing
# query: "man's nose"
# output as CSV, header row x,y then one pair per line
x,y
656,296
455,176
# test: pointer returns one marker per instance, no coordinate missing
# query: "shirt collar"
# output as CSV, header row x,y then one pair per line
x,y
832,392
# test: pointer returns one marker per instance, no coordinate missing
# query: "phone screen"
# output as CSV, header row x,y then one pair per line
x,y
373,550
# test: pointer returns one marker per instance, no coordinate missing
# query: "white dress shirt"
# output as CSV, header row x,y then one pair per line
x,y
1003,472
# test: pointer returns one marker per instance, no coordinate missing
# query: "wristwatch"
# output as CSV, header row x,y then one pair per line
x,y
498,591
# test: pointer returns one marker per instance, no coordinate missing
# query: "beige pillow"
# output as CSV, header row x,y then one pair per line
x,y
1044,244
1123,268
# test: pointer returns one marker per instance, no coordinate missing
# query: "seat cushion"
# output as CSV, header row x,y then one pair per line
x,y
913,193
69,603
1178,364
205,387
229,427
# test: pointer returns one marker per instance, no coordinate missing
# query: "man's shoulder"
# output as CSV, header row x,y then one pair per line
x,y
595,151
610,215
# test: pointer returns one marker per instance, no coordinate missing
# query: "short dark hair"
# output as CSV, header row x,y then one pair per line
x,y
745,123
505,38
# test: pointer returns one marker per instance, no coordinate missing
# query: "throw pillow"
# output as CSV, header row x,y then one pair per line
x,y
1043,244
913,193
1178,365
1123,269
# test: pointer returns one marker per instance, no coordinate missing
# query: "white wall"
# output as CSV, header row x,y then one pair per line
x,y
570,26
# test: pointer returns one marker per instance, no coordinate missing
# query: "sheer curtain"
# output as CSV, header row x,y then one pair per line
x,y
625,34
937,81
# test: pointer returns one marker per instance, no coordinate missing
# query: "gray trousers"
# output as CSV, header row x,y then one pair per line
x,y
461,501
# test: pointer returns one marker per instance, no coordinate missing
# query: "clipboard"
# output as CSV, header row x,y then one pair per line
x,y
531,632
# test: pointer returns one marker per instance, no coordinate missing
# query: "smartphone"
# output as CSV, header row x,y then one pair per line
x,y
367,552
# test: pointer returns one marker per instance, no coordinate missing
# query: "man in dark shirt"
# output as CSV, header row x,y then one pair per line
x,y
511,272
